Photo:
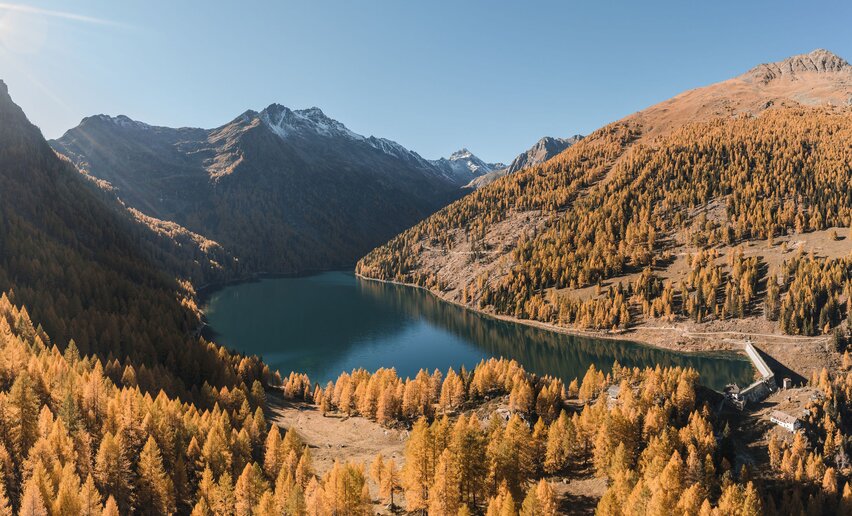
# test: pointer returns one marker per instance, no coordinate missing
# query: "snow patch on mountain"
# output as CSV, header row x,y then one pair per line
x,y
122,121
286,122
459,168
463,166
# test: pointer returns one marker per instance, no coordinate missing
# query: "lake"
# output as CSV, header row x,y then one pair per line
x,y
332,322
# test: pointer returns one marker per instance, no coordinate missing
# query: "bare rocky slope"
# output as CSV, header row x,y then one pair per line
x,y
814,79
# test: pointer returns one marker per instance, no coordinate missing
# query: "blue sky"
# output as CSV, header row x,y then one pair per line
x,y
435,75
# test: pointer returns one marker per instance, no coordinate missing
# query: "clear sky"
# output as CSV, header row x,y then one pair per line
x,y
489,75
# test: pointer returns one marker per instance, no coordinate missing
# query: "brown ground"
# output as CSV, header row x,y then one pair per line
x,y
580,493
336,436
356,439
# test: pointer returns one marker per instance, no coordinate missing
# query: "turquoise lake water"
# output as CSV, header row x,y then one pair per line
x,y
331,322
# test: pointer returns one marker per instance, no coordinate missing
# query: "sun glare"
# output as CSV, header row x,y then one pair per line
x,y
23,28
20,32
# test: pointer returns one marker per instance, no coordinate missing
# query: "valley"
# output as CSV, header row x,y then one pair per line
x,y
279,316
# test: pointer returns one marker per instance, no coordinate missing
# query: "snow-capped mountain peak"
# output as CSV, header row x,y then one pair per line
x,y
462,166
303,125
286,122
122,121
462,154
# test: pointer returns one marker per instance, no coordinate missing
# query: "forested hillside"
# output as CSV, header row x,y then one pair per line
x,y
657,216
88,270
80,435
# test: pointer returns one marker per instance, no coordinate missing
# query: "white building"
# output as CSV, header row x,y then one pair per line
x,y
784,420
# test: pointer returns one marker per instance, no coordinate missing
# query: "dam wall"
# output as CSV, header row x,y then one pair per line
x,y
759,389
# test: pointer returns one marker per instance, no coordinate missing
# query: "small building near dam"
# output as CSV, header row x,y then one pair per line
x,y
757,391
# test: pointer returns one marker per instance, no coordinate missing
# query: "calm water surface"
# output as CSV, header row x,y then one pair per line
x,y
334,322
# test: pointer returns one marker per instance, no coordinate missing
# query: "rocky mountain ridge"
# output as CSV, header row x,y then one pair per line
x,y
816,78
817,61
543,150
282,190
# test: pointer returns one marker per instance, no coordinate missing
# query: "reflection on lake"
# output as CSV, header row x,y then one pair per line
x,y
331,322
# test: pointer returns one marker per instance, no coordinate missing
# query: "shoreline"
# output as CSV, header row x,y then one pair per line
x,y
203,292
796,354
627,336
682,340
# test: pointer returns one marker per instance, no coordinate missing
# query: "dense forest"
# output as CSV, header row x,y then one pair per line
x,y
614,209
656,440
78,436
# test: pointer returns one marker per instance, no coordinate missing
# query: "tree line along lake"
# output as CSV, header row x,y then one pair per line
x,y
332,322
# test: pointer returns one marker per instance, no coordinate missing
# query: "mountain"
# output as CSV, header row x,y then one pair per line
x,y
806,79
90,270
282,190
817,78
683,211
543,150
463,166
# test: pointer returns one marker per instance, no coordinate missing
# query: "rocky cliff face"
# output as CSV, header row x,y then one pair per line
x,y
818,61
542,151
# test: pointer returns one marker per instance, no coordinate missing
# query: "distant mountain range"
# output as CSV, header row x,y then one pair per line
x,y
463,166
544,149
282,190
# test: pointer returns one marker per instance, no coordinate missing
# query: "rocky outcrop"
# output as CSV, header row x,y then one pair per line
x,y
818,61
542,151
545,149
